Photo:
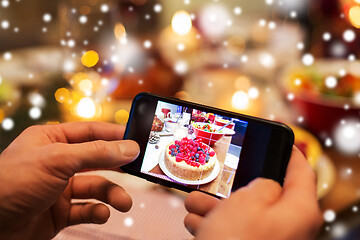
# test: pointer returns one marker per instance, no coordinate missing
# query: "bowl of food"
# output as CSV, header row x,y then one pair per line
x,y
222,122
171,124
324,93
210,133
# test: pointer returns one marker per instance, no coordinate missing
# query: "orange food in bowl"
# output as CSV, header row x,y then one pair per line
x,y
308,145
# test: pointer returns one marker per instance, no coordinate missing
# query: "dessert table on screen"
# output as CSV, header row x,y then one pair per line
x,y
221,185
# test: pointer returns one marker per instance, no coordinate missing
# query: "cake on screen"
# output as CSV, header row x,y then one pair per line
x,y
190,159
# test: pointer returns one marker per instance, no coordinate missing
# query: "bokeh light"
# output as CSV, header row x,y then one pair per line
x,y
347,136
354,16
240,100
181,22
62,95
121,116
90,58
86,108
7,124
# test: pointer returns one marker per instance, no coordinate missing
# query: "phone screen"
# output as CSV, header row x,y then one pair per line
x,y
191,146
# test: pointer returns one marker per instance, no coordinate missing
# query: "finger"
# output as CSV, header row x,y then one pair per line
x,y
192,222
200,203
264,190
77,132
67,159
96,187
88,213
300,179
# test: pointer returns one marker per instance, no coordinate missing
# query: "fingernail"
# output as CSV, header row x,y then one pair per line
x,y
129,148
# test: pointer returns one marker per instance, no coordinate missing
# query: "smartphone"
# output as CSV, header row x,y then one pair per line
x,y
189,146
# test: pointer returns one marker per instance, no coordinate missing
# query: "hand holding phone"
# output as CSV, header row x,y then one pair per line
x,y
190,146
291,212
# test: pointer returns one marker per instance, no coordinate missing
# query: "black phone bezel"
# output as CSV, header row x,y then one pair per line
x,y
282,138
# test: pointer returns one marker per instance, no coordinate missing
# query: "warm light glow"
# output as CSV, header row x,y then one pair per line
x,y
85,85
62,95
242,83
121,116
354,15
240,100
90,58
181,22
86,108
2,115
119,31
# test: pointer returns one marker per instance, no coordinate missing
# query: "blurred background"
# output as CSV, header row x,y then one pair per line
x,y
293,61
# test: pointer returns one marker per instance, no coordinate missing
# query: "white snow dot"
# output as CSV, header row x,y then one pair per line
x,y
83,19
326,36
16,29
269,2
35,113
44,29
5,24
328,142
104,8
253,92
351,57
186,2
5,3
331,82
272,25
237,10
338,231
71,43
7,124
181,67
300,119
7,56
181,47
347,136
47,17
244,58
262,22
342,72
290,96
329,215
293,14
128,221
147,44
300,46
355,209
349,35
297,81
308,59
157,8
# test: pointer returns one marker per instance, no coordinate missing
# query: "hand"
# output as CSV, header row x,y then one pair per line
x,y
262,209
37,183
